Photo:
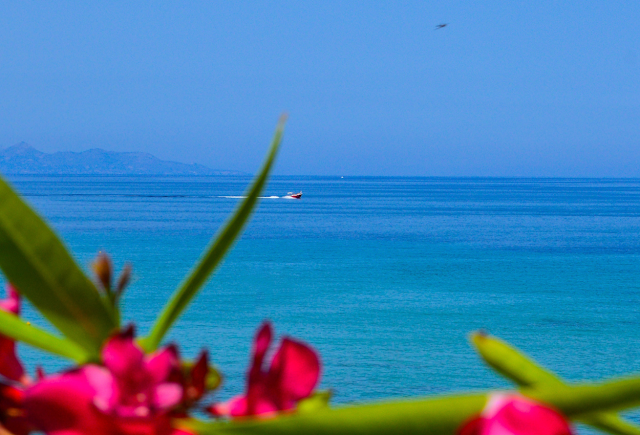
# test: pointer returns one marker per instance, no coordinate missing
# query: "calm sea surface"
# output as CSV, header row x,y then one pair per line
x,y
386,277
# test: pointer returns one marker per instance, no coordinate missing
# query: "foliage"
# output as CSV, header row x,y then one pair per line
x,y
86,314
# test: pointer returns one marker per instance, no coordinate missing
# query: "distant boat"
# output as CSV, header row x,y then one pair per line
x,y
294,195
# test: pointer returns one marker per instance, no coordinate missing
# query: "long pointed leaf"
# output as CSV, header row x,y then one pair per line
x,y
611,423
37,263
437,416
12,326
520,369
578,401
434,416
215,252
513,364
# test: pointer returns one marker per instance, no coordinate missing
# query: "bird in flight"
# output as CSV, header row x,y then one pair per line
x,y
440,26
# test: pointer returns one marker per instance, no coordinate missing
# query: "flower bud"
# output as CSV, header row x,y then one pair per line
x,y
103,270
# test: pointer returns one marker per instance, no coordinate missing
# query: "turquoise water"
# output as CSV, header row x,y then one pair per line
x,y
386,277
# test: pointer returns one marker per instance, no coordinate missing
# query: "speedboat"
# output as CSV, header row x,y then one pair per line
x,y
294,195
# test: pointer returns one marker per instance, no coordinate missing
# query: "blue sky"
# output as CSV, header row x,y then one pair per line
x,y
508,88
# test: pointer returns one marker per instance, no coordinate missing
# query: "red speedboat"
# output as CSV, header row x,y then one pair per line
x,y
294,195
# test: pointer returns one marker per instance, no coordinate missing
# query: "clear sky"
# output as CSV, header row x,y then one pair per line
x,y
508,88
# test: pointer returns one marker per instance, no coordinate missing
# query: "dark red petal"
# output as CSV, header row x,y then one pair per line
x,y
255,377
10,366
471,427
199,376
10,396
295,371
40,374
12,413
156,425
262,341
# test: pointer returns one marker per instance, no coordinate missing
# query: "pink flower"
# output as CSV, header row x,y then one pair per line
x,y
292,376
10,366
129,395
510,414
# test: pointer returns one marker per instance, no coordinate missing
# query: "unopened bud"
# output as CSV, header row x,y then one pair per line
x,y
123,279
103,270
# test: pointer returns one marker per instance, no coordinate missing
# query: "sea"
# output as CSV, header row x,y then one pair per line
x,y
385,277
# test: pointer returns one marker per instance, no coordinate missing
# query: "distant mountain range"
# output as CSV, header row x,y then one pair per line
x,y
24,159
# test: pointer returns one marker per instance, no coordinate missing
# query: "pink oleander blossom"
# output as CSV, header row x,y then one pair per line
x,y
292,376
130,395
10,366
510,414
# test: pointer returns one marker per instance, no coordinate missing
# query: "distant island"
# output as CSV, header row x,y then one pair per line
x,y
25,159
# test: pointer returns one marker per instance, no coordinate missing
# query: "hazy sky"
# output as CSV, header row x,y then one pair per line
x,y
536,88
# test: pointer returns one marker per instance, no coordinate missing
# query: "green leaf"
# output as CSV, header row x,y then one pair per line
x,y
441,415
520,369
215,252
578,401
611,423
37,263
512,364
12,326
317,401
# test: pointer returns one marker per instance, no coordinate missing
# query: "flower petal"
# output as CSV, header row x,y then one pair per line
x,y
160,364
12,303
472,427
10,365
63,405
295,370
239,407
516,415
103,385
198,376
166,395
260,346
121,355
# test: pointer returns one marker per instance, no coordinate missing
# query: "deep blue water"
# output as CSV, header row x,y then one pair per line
x,y
386,277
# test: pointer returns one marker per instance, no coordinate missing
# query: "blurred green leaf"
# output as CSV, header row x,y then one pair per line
x,y
37,263
442,415
434,416
317,401
517,367
611,423
213,380
12,326
577,401
512,364
215,252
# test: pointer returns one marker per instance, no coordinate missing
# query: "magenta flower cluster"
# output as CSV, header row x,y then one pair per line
x,y
132,393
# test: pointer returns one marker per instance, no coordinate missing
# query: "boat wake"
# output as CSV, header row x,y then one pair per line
x,y
241,197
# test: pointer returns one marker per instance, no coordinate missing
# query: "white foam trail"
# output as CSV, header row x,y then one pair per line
x,y
241,197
